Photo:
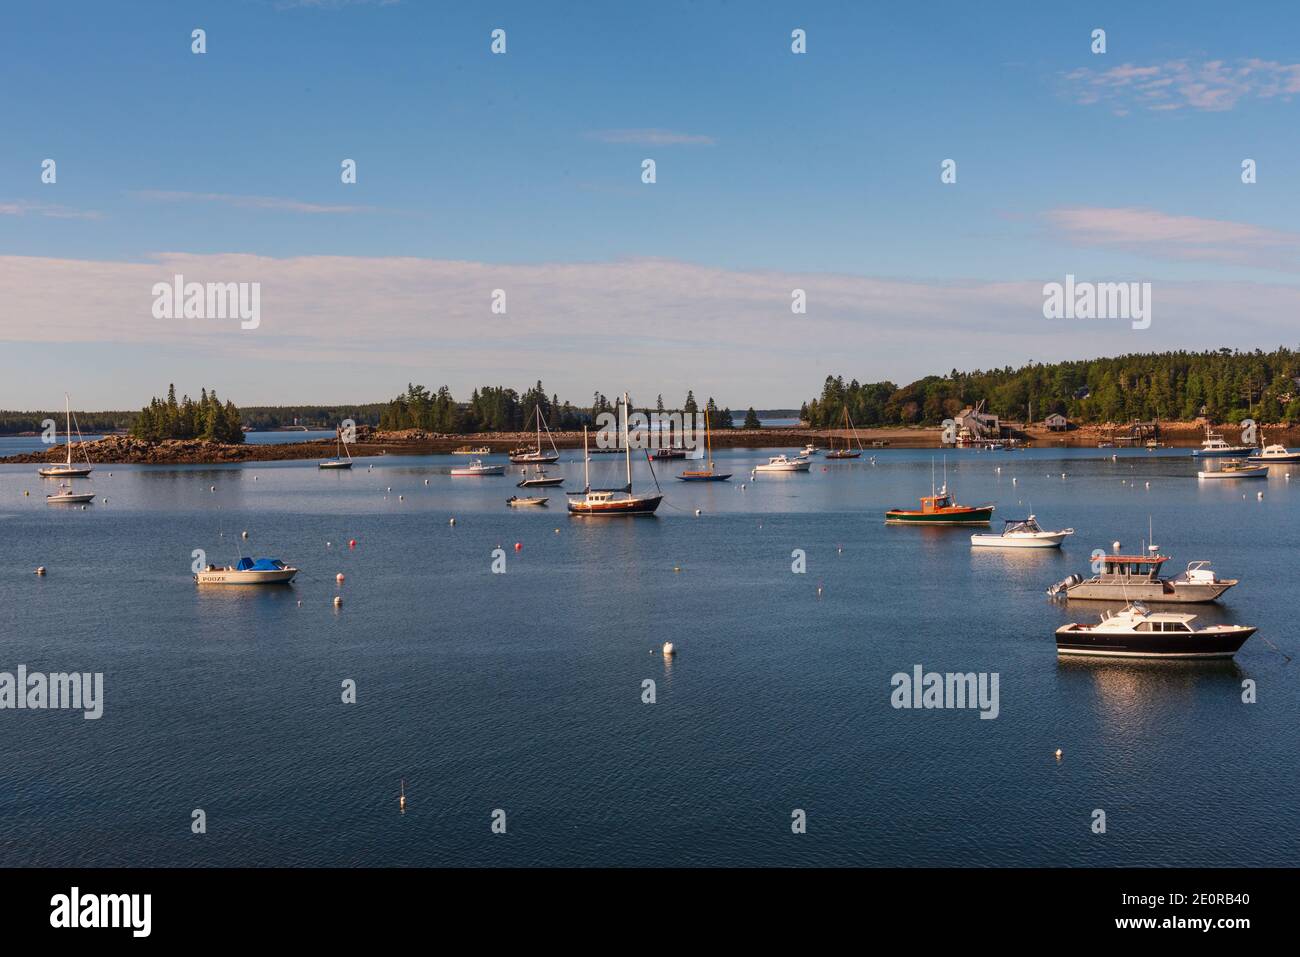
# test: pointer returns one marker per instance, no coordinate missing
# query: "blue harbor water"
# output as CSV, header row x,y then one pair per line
x,y
523,691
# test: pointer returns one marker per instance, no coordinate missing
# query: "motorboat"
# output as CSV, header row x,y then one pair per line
x,y
1215,447
472,450
782,463
1273,453
69,497
479,467
517,501
1234,469
248,571
1022,533
808,451
1130,578
669,453
939,508
1136,632
67,469
538,479
611,501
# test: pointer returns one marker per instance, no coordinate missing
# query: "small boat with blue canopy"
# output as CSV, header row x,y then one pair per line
x,y
248,571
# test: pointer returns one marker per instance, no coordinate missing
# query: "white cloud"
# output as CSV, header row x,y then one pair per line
x,y
652,137
249,202
1212,85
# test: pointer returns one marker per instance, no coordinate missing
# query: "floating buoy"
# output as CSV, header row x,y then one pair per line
x,y
677,568
557,531
669,650
105,501
40,569
819,591
1058,754
519,546
338,600
25,492
401,800
352,543
698,513
299,602
339,578
1148,484
1115,545
1259,496
451,521
212,488
401,498
426,481
243,534
328,544
1014,480
83,508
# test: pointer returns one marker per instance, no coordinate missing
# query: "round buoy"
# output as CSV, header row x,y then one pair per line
x,y
212,488
339,578
426,481
668,649
352,543
677,568
40,569
451,521
557,531
83,508
1259,496
519,546
243,534
26,492
105,501
299,602
1115,545
401,498
698,513
1058,754
338,600
389,489
819,591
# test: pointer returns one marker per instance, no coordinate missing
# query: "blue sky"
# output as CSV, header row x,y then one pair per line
x,y
773,170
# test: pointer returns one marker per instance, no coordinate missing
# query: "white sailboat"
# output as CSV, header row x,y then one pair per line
x,y
68,470
536,454
338,462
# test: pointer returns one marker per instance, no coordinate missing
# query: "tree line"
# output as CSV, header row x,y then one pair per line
x,y
1225,385
207,418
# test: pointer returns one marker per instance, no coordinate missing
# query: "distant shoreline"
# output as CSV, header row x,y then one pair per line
x,y
124,450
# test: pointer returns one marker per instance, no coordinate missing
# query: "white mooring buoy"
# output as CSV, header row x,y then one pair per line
x,y
668,649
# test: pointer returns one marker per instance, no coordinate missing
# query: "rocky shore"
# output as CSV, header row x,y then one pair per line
x,y
125,449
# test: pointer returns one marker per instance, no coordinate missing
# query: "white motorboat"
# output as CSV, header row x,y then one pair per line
x,y
518,501
1022,533
470,450
1273,453
1234,469
479,467
1135,632
1214,446
782,463
808,451
67,469
69,497
249,571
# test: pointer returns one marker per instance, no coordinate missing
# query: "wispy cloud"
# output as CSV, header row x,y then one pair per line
x,y
651,137
48,210
1210,85
1171,237
250,202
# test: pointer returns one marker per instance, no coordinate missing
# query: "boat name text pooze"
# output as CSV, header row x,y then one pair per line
x,y
75,691
654,431
77,910
1098,300
930,689
213,300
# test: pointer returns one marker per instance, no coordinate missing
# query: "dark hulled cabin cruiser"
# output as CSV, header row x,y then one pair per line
x,y
1136,578
1136,632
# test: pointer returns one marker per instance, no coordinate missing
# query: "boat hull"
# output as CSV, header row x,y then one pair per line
x,y
82,498
1259,472
704,477
62,471
1221,642
955,516
541,458
526,502
228,576
1049,540
638,506
540,483
1273,459
1166,591
476,473
334,465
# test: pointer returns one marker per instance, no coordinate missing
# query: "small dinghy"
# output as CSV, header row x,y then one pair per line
x,y
1021,533
477,467
1234,469
249,571
519,501
1137,633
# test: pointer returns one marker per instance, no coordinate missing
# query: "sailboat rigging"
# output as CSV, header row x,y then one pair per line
x,y
68,470
525,454
709,474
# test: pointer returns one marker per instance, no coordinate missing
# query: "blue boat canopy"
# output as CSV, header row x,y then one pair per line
x,y
261,565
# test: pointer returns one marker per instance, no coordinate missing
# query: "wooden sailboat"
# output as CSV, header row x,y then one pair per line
x,y
709,474
846,452
68,470
536,454
338,462
611,501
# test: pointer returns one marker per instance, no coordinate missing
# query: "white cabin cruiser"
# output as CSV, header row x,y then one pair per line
x,y
782,463
1136,632
1214,446
1022,533
479,467
66,496
1273,453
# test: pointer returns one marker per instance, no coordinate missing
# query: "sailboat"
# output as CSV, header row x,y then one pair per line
x,y
611,501
709,474
537,455
846,452
68,470
338,462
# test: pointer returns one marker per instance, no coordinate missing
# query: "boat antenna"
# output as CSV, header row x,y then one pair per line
x,y
586,462
627,445
932,476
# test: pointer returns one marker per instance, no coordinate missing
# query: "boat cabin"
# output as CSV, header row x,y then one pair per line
x,y
1132,567
936,503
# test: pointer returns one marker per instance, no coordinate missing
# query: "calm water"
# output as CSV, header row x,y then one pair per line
x,y
522,691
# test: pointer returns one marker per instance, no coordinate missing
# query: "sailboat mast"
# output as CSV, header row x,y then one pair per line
x,y
627,446
708,436
67,411
586,462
